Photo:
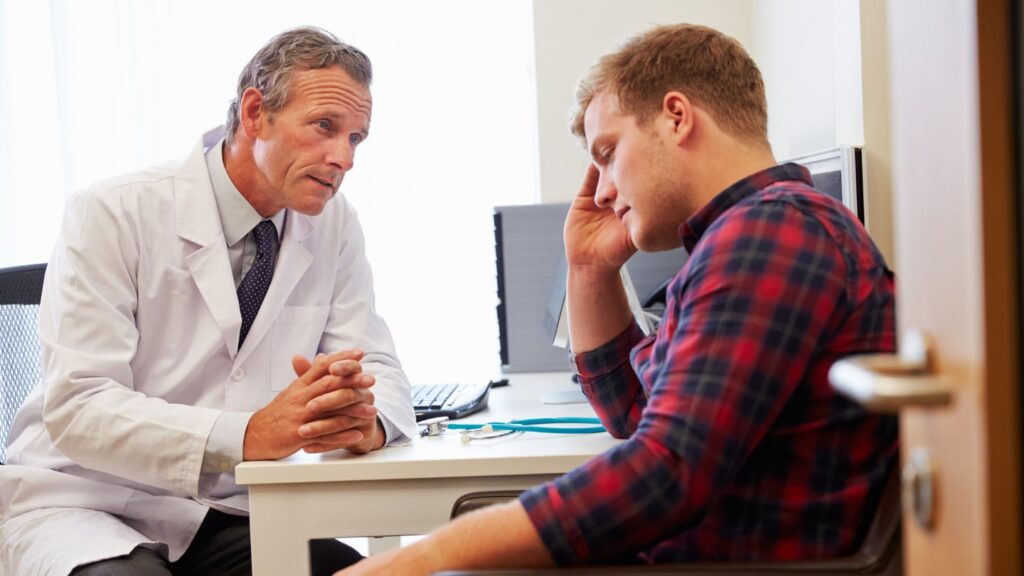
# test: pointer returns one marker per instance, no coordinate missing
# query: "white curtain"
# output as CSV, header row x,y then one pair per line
x,y
90,90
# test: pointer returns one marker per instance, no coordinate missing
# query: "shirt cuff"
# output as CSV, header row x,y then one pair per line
x,y
224,446
608,357
392,433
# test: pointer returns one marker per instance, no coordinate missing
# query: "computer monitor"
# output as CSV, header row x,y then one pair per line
x,y
838,172
529,256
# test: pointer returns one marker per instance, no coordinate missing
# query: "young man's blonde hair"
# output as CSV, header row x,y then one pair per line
x,y
710,68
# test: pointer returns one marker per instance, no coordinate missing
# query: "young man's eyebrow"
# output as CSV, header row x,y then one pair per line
x,y
594,145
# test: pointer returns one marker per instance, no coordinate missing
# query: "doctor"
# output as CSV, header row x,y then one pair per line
x,y
201,314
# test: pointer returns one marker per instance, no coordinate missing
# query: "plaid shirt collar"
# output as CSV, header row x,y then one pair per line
x,y
695,226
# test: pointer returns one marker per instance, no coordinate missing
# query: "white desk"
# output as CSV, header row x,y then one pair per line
x,y
406,489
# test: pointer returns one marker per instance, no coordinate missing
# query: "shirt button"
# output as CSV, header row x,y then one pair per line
x,y
238,375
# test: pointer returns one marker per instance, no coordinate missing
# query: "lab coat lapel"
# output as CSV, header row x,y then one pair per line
x,y
198,223
293,259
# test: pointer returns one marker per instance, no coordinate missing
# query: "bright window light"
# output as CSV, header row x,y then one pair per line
x,y
90,90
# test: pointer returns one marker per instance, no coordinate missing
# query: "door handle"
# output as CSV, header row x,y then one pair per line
x,y
888,382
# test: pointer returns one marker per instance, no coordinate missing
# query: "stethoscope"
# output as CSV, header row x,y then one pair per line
x,y
470,432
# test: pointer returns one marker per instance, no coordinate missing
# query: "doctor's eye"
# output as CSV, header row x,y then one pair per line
x,y
355,138
324,125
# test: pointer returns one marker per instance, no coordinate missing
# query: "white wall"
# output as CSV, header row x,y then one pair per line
x,y
827,80
570,35
795,45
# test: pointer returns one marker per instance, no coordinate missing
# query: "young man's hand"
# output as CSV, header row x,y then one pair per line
x,y
597,245
595,238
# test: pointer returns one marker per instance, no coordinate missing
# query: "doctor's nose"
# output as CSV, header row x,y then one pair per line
x,y
342,156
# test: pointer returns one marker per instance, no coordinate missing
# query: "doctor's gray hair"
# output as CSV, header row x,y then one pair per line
x,y
306,48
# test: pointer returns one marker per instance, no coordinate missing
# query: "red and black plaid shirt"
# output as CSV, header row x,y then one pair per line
x,y
737,447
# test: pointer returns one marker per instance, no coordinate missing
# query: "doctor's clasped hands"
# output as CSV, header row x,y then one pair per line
x,y
329,406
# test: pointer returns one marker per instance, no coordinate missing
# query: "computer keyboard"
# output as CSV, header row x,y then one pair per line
x,y
451,400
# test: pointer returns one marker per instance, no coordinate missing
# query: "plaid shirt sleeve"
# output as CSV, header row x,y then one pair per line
x,y
619,398
744,317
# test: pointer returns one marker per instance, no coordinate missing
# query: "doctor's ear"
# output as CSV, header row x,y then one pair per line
x,y
676,107
251,111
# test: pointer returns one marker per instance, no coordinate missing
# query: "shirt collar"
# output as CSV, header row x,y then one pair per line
x,y
237,216
695,226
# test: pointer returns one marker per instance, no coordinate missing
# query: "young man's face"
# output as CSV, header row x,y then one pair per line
x,y
303,150
640,178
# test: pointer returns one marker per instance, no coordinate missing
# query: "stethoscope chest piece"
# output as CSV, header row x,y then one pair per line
x,y
434,426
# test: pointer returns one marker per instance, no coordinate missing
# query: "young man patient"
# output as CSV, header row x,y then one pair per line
x,y
737,447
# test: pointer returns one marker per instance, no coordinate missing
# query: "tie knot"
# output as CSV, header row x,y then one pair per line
x,y
265,234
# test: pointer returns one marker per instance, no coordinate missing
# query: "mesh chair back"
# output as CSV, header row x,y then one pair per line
x,y
20,289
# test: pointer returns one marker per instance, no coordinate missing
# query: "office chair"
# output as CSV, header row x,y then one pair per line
x,y
879,554
20,289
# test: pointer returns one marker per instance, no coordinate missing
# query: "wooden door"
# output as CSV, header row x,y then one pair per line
x,y
955,230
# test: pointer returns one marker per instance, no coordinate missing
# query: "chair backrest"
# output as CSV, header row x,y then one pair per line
x,y
20,290
477,500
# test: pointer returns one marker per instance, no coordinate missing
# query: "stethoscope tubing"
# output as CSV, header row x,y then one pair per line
x,y
542,425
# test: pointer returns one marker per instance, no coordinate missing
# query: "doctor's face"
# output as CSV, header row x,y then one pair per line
x,y
303,150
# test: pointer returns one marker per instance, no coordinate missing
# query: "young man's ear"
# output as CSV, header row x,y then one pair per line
x,y
251,112
678,109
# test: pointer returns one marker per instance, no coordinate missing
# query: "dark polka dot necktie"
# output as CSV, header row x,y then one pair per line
x,y
254,286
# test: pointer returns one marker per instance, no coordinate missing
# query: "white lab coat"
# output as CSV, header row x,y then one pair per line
x,y
139,324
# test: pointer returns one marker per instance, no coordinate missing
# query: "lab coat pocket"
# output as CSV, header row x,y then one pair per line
x,y
298,330
176,281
